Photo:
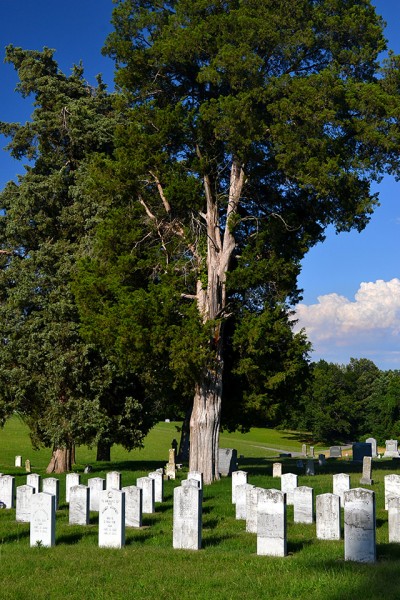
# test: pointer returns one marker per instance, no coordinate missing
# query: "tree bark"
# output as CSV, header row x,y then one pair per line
x,y
103,451
62,460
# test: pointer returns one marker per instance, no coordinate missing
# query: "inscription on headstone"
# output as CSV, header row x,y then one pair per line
x,y
341,483
133,506
328,517
187,518
271,523
303,504
23,505
112,519
79,505
359,525
43,520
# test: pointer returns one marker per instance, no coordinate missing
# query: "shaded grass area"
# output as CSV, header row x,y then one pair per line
x,y
226,568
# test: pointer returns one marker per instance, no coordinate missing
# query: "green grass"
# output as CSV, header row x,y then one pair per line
x,y
226,568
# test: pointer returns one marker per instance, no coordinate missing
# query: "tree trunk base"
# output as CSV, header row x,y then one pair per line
x,y
103,451
62,460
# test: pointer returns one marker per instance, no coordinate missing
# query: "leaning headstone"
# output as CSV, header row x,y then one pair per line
x,y
51,485
133,506
112,519
394,519
113,480
373,443
7,490
251,508
288,485
241,500
18,461
34,480
277,470
310,467
227,461
361,449
147,486
170,469
366,478
359,525
97,486
304,449
303,504
23,504
187,519
392,487
43,520
28,466
327,516
71,480
271,523
391,450
238,478
79,505
341,484
158,485
335,452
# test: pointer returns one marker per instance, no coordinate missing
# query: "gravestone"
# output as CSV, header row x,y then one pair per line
x,y
392,487
361,449
7,490
97,486
341,484
34,480
312,451
321,460
227,461
288,485
303,504
391,450
43,520
28,466
310,467
133,506
18,461
113,480
304,449
335,452
112,519
71,480
366,478
158,485
251,509
79,505
196,475
23,504
238,478
277,470
359,525
271,523
241,500
373,443
147,486
327,516
394,519
170,469
51,485
187,518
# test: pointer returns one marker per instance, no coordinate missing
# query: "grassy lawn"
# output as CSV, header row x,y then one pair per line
x,y
226,568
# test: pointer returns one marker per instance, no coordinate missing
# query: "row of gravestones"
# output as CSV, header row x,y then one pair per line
x,y
368,448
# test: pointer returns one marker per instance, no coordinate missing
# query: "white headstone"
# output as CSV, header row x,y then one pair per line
x,y
392,487
23,505
97,486
373,443
341,484
34,480
43,519
79,505
328,517
238,478
158,485
366,478
7,490
18,461
303,504
288,485
277,470
133,506
187,518
71,480
391,450
51,485
241,500
394,519
113,480
112,519
147,485
251,509
359,525
196,475
271,523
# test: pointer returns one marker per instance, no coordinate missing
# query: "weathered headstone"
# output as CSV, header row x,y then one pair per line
x,y
147,485
361,449
277,470
196,475
170,469
187,519
241,500
391,450
227,461
97,486
71,480
28,466
18,461
79,505
133,506
327,516
112,519
238,478
251,508
366,478
113,480
158,485
7,490
392,487
310,467
394,519
51,485
34,480
312,451
304,449
271,523
23,504
341,484
303,505
373,443
335,452
288,485
359,525
43,520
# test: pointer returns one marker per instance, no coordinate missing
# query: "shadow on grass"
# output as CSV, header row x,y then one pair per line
x,y
15,537
215,540
127,465
73,538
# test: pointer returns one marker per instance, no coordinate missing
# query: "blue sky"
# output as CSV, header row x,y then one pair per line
x,y
351,282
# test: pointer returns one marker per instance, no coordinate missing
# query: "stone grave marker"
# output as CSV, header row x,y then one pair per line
x,y
7,490
158,486
241,500
113,480
394,519
359,525
251,508
303,504
321,460
304,449
170,469
374,446
300,464
51,485
71,480
18,461
34,480
196,475
187,518
312,451
43,520
227,461
361,449
391,450
392,486
79,505
97,486
335,452
238,478
366,478
327,517
23,504
133,506
147,486
271,523
112,519
341,484
277,470
288,485
28,465
310,467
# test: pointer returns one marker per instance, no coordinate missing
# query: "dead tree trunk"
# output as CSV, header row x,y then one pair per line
x,y
62,460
